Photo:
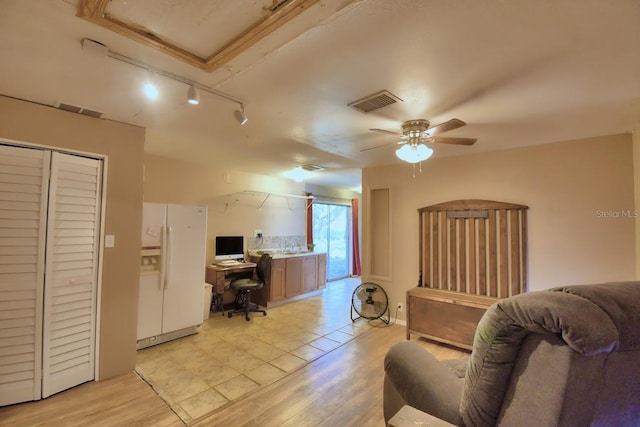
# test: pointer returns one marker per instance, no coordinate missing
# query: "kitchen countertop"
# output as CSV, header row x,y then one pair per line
x,y
280,255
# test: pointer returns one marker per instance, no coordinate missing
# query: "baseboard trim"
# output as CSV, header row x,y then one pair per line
x,y
169,336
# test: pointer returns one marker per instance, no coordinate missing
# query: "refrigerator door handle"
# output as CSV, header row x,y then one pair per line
x,y
168,256
163,257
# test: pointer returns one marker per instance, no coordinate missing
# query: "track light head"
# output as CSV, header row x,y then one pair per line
x,y
193,95
94,48
240,117
150,90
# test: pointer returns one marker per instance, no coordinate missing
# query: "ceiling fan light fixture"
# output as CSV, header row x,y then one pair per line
x,y
193,95
414,153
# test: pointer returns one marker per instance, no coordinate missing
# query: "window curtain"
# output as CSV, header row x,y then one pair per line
x,y
309,204
355,239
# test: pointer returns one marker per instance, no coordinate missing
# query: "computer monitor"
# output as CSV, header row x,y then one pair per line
x,y
229,247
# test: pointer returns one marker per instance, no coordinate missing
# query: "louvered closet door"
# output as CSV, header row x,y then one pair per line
x,y
24,176
71,272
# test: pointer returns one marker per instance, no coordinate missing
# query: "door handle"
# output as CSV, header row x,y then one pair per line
x,y
163,255
168,253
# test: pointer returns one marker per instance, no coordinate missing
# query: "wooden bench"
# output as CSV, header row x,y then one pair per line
x,y
445,316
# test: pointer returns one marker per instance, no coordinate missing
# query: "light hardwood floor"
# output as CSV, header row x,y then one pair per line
x,y
342,387
121,401
232,358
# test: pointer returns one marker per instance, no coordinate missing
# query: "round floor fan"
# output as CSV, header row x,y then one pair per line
x,y
370,301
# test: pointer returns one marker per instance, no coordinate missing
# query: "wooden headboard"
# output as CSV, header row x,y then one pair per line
x,y
478,247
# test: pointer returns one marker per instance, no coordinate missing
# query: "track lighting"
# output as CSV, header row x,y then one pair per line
x,y
193,95
150,90
99,50
240,117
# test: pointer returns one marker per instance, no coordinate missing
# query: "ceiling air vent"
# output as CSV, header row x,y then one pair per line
x,y
375,101
312,168
79,110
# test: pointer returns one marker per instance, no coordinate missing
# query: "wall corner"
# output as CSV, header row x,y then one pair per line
x,y
636,191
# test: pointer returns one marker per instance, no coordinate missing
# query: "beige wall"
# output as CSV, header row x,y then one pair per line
x,y
229,211
574,189
636,174
123,147
170,181
165,181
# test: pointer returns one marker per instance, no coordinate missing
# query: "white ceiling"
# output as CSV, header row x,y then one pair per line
x,y
519,72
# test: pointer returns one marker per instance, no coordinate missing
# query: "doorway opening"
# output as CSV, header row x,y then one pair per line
x,y
332,234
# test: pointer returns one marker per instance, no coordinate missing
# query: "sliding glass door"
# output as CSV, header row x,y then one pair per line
x,y
331,234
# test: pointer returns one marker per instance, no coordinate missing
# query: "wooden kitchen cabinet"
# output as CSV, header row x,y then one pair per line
x,y
301,275
293,277
309,273
276,284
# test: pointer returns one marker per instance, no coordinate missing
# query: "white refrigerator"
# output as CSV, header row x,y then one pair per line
x,y
172,273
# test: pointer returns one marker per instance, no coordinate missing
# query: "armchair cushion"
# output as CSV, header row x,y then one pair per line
x,y
568,356
584,327
404,384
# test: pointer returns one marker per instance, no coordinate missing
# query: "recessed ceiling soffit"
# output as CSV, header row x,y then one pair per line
x,y
265,20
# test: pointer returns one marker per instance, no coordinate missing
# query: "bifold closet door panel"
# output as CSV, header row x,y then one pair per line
x,y
71,272
24,177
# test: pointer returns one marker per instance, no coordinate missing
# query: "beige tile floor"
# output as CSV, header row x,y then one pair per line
x,y
229,358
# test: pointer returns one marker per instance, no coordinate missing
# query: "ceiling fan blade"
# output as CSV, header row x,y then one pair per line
x,y
377,146
390,132
455,141
445,127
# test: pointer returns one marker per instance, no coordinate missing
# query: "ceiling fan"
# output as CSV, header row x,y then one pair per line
x,y
415,133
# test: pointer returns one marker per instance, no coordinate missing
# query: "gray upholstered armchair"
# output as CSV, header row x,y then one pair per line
x,y
567,356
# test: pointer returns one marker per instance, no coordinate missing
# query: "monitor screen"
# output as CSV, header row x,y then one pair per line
x,y
229,247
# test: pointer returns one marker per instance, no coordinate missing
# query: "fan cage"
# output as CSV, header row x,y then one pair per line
x,y
370,301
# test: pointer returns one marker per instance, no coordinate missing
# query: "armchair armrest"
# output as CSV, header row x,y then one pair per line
x,y
414,377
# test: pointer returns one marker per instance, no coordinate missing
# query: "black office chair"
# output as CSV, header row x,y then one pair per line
x,y
243,287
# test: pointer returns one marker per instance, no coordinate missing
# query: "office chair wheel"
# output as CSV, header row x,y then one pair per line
x,y
230,315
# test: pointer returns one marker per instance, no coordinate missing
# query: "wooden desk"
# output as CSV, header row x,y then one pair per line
x,y
220,275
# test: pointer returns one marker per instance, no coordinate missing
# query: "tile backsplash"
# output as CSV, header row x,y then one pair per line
x,y
276,242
